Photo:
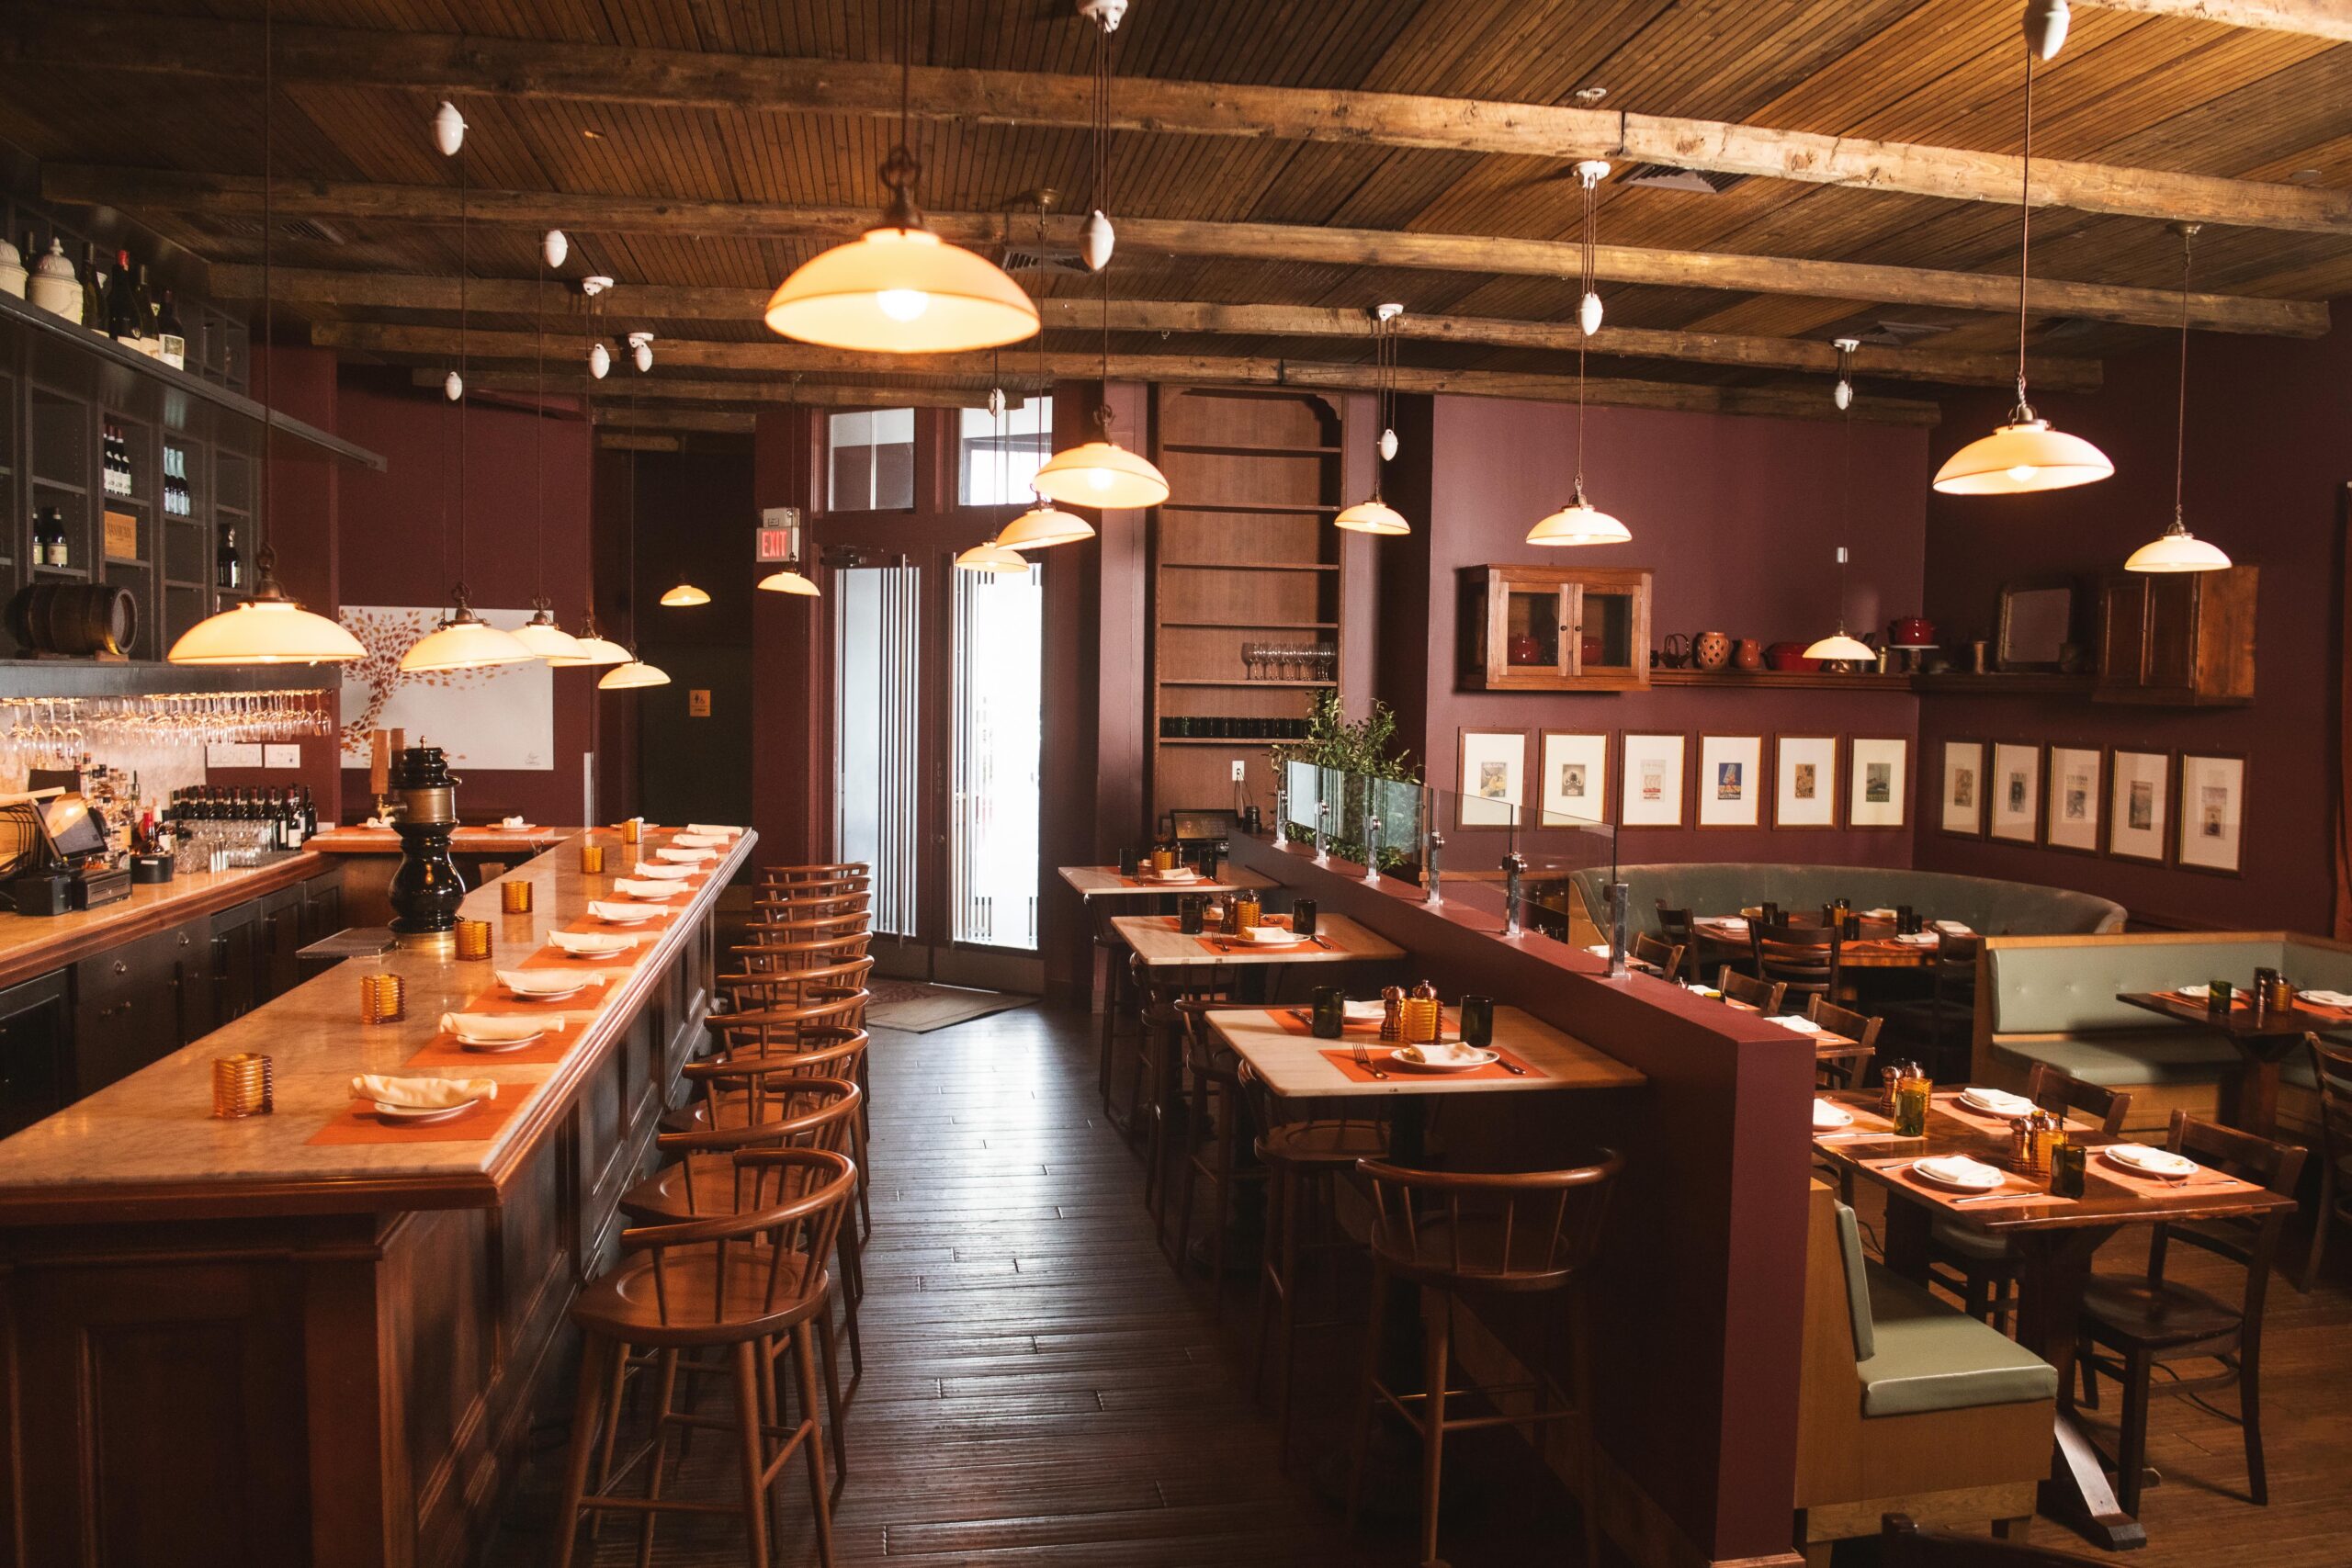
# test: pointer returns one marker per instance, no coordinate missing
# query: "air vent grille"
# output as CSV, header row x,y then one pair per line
x,y
1668,176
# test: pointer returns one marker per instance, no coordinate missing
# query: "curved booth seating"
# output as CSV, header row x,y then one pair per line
x,y
1985,906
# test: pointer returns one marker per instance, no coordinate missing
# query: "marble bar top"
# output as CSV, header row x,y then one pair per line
x,y
481,840
148,1146
37,944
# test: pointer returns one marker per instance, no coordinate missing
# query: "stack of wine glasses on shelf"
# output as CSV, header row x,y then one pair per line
x,y
1289,661
1244,727
56,730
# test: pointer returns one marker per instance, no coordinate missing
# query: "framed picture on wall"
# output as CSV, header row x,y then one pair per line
x,y
1572,780
1964,800
1804,781
1494,777
1877,784
2016,804
2139,804
2213,812
2076,777
1650,793
1731,781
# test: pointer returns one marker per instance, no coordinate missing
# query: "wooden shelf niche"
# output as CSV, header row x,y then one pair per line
x,y
1243,552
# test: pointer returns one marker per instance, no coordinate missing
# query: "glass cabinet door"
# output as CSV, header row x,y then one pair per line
x,y
1535,617
1607,639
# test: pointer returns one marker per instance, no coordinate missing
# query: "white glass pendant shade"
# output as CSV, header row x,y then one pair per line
x,y
1096,241
600,360
1387,446
901,291
1589,313
601,650
2176,549
684,595
1579,523
1042,527
465,641
632,676
640,351
268,629
453,386
2023,455
789,581
1841,647
553,247
1844,396
549,642
996,402
2045,24
992,559
1373,517
1102,474
449,128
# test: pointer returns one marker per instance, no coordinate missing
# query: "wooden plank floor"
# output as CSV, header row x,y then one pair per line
x,y
1042,1389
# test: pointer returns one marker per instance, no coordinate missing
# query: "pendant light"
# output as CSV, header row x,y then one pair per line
x,y
1375,516
788,578
554,247
1579,522
991,558
2026,454
685,595
632,673
633,676
464,641
270,627
1590,174
2045,23
1045,525
898,288
1844,394
1096,238
596,650
540,634
1838,646
2178,549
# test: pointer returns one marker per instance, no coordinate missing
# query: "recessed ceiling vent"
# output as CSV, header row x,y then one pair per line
x,y
1666,176
1894,335
1029,258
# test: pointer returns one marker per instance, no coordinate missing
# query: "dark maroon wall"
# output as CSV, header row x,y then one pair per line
x,y
1740,520
391,549
2270,453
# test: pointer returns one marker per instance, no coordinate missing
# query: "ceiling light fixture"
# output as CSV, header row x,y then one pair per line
x,y
540,634
464,641
554,247
898,288
271,628
2178,549
640,351
1044,525
685,595
600,360
449,128
2026,454
1590,174
1375,516
634,675
1579,522
1096,239
2045,24
1844,396
1838,646
993,558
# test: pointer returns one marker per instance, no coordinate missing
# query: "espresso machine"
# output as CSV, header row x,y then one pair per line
x,y
426,888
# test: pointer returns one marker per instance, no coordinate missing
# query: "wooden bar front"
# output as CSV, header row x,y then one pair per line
x,y
227,1346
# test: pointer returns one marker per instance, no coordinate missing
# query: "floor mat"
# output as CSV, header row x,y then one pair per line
x,y
918,1009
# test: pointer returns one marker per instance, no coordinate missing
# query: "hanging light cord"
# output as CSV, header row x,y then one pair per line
x,y
1580,350
2180,438
1591,265
1102,204
1045,377
465,265
1379,393
263,561
2025,237
538,443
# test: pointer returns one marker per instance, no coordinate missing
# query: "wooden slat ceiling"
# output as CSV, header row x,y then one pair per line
x,y
2145,91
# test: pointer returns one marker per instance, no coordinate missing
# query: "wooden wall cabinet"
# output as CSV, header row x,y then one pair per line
x,y
1544,629
2183,638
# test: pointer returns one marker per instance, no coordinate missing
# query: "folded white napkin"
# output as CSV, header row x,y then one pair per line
x,y
1273,936
497,1026
1177,873
1449,1054
662,871
375,823
622,914
1920,939
1996,1102
1599,950
1880,914
719,829
2155,1162
2328,999
685,857
422,1093
1734,920
516,822
539,982
1366,1012
1826,1116
1960,1171
700,840
591,941
653,890
1954,928
1801,1024
2201,990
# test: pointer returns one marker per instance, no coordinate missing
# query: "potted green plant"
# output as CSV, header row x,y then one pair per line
x,y
1360,750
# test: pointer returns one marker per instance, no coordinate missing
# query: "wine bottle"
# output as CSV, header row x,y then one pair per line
x,y
144,303
94,288
310,814
228,567
291,831
171,337
122,306
48,538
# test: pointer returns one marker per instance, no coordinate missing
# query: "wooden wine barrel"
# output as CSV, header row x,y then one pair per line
x,y
80,619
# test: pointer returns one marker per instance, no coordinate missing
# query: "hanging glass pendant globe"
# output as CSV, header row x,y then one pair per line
x,y
547,641
1579,523
464,641
269,629
2023,455
1102,474
789,581
992,559
634,675
684,595
1043,527
1373,516
2176,549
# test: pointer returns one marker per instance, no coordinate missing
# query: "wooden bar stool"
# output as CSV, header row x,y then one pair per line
x,y
833,874
1463,1234
1154,1096
772,909
780,956
735,1284
791,1038
756,990
1218,1105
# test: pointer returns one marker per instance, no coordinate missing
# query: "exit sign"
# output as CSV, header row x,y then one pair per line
x,y
779,534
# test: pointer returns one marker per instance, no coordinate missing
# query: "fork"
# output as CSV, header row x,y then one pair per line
x,y
1363,1060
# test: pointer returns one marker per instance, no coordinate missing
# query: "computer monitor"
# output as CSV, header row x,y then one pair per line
x,y
72,825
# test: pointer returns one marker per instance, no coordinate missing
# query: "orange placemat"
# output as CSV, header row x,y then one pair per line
x,y
554,957
358,1124
2205,1183
1298,1020
1345,1060
498,999
442,1051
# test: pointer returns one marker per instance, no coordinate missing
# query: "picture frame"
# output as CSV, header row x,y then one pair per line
x,y
1491,785
2076,787
1961,815
1804,782
2139,804
1731,781
1878,782
2013,810
1572,776
1651,788
2210,817
2035,623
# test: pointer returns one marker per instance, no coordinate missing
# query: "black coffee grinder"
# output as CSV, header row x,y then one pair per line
x,y
426,888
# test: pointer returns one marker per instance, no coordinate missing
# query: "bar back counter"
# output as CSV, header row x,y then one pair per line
x,y
287,1340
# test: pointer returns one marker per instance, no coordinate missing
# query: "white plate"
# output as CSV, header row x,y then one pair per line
x,y
2200,991
420,1115
499,1047
1828,1118
1958,1173
1443,1057
1995,1103
1796,1023
662,871
1271,936
543,984
2142,1160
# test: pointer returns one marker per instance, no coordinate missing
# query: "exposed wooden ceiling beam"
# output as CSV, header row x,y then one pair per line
x,y
441,344
218,194
654,389
2316,18
48,36
376,291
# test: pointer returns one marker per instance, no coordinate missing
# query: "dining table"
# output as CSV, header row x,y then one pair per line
x,y
2263,1037
1879,947
2054,1238
1162,943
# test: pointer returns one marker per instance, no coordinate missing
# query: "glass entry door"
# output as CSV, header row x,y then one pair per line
x,y
878,750
998,714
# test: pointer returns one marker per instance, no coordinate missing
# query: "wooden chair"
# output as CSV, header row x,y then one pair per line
x,y
1941,1026
1458,1234
736,1284
1665,958
782,910
1901,1544
1803,959
1981,1269
1674,926
766,990
2145,1321
1155,1091
2331,1076
821,875
766,955
1218,1107
1764,996
1845,1069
